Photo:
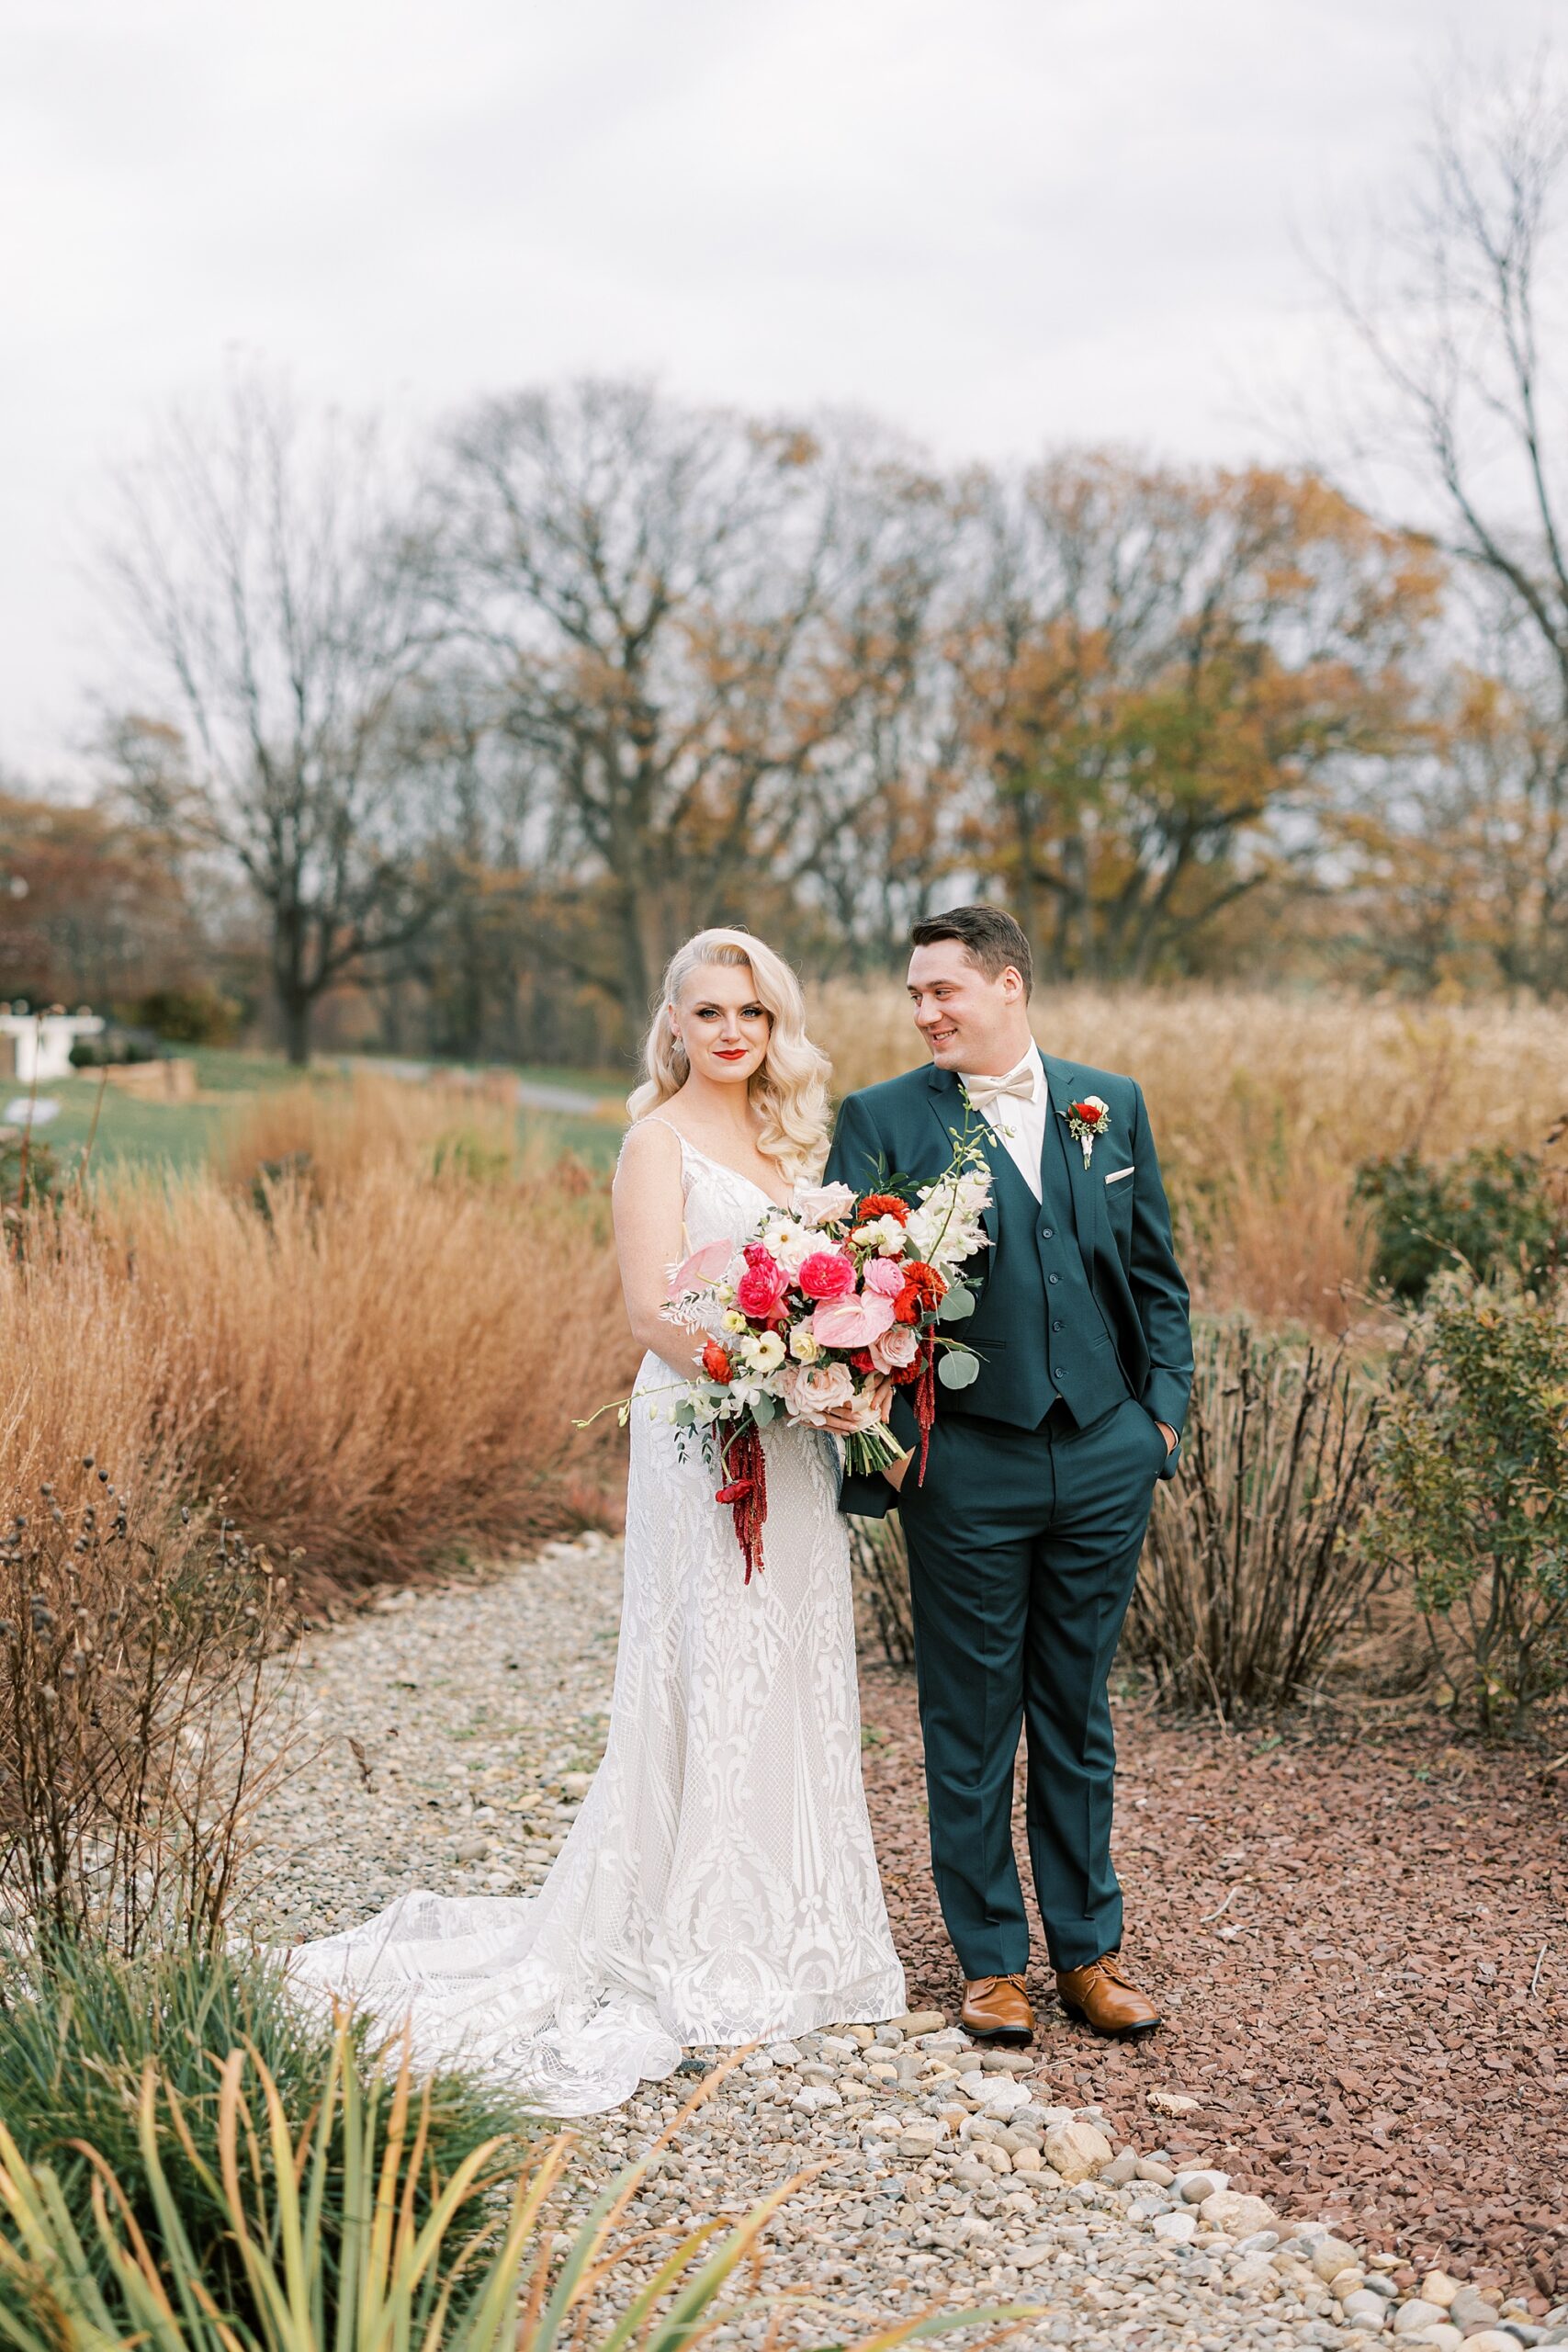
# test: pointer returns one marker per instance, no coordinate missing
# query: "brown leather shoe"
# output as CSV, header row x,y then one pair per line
x,y
995,2008
1106,1999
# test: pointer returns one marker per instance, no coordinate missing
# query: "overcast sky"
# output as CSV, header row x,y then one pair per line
x,y
998,222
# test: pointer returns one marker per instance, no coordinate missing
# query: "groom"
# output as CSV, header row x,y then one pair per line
x,y
1024,1536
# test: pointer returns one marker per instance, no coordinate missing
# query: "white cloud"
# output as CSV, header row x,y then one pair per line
x,y
998,224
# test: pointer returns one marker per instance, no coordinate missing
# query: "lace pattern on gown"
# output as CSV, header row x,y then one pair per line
x,y
719,1884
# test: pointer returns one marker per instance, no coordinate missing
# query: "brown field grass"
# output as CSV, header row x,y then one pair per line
x,y
1263,1107
331,1135
373,1361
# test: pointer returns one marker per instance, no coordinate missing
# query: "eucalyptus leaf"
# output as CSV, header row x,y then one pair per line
x,y
955,1305
685,1414
957,1367
764,1409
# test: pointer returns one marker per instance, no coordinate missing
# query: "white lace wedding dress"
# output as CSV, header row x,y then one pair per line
x,y
719,1886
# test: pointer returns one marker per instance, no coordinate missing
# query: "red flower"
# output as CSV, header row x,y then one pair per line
x,y
907,1305
931,1286
860,1360
909,1374
717,1363
1093,1115
881,1205
757,1253
761,1290
825,1274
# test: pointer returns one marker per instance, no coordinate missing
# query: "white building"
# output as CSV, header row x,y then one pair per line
x,y
36,1047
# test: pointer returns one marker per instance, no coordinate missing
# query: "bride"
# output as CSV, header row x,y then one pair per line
x,y
719,1886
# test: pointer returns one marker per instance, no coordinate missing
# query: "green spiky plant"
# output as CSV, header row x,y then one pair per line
x,y
335,2253
79,2029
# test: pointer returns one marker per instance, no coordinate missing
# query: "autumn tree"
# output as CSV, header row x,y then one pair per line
x,y
266,571
89,911
1163,675
684,613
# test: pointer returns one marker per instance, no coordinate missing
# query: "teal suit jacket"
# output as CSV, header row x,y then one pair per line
x,y
904,1129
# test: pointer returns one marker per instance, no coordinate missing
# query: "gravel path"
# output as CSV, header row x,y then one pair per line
x,y
457,1731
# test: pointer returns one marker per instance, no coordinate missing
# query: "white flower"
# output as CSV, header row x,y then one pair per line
x,y
803,1345
734,1321
764,1351
790,1244
884,1234
823,1203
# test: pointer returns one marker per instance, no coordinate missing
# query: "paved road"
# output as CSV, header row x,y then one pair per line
x,y
571,1102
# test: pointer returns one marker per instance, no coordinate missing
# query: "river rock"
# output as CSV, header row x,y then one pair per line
x,y
1237,2214
1180,2226
920,2021
1077,2151
1471,2309
1437,2287
1415,2315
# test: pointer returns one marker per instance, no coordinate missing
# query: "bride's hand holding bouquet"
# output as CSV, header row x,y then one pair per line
x,y
820,1316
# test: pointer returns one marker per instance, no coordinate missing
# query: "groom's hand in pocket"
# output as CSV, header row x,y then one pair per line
x,y
897,1472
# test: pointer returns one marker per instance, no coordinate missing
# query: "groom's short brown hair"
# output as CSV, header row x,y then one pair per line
x,y
993,939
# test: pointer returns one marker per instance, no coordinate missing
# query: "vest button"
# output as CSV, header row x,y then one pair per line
x,y
1052,1278
1057,1326
1047,1233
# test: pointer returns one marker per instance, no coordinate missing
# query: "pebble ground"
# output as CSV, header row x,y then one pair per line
x,y
450,1739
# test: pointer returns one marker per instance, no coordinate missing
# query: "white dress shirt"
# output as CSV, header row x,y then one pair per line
x,y
1020,1120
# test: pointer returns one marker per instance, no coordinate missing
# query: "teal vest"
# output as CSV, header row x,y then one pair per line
x,y
1037,1328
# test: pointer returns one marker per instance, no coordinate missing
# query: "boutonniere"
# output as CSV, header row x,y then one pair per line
x,y
1087,1119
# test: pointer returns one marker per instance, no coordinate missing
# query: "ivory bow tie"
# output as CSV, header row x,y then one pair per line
x,y
984,1091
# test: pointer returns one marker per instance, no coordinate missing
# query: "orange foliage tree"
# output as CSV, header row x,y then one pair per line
x,y
1165,677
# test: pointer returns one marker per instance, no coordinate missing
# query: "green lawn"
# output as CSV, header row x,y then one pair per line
x,y
179,1134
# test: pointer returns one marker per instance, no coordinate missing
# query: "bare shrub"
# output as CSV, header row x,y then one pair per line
x,y
1250,1575
136,1677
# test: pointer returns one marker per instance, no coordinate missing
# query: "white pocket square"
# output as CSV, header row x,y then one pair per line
x,y
1116,1175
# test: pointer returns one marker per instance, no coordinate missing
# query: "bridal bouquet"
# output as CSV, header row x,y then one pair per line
x,y
809,1316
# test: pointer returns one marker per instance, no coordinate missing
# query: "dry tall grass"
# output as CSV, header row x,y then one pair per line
x,y
1263,1107
372,1364
330,1134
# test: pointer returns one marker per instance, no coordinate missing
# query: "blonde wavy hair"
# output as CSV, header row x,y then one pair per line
x,y
789,1092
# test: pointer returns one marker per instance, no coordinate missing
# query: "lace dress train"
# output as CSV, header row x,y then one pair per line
x,y
719,1884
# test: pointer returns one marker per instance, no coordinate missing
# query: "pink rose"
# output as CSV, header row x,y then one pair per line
x,y
761,1290
852,1322
896,1348
885,1275
812,1391
826,1273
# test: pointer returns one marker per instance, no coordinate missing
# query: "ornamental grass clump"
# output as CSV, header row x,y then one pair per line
x,y
343,2231
79,2029
1472,1493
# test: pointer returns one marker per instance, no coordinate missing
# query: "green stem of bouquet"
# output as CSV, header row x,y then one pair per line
x,y
868,1451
